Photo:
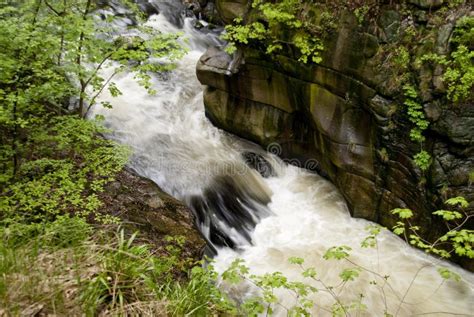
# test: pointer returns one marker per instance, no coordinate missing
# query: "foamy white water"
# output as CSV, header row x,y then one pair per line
x,y
178,148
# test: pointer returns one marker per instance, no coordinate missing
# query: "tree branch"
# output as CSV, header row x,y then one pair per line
x,y
92,102
52,8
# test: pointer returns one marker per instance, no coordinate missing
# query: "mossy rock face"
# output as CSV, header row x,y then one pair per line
x,y
347,113
389,21
229,10
427,4
250,119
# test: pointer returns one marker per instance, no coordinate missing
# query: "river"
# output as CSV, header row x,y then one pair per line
x,y
266,220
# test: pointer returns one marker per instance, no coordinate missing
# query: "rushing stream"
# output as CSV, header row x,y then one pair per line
x,y
266,220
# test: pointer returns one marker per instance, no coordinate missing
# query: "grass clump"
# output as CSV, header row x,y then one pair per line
x,y
70,267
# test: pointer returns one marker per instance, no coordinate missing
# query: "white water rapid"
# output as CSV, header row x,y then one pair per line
x,y
267,220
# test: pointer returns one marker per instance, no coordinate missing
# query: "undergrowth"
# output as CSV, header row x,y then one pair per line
x,y
69,267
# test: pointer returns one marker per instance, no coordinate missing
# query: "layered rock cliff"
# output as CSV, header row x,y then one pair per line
x,y
347,112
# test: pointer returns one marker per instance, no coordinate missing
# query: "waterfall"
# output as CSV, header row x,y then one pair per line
x,y
268,214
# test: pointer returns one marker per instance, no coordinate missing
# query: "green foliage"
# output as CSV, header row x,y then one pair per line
x,y
52,162
461,201
458,239
371,240
417,116
399,228
304,292
448,274
84,270
459,65
63,232
422,160
361,13
68,167
296,260
461,240
310,273
403,213
337,253
459,75
448,215
235,271
349,274
267,284
275,16
415,113
199,296
402,58
49,49
129,273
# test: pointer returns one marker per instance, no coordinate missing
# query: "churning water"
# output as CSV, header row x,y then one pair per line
x,y
266,220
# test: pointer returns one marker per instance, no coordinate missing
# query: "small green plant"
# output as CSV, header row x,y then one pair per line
x,y
131,275
459,66
81,269
51,248
415,113
422,160
457,240
401,58
417,116
414,109
361,13
69,166
268,32
274,286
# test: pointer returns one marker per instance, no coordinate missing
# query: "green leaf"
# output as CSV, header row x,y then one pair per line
x,y
403,213
461,201
296,260
349,274
448,215
447,274
337,253
309,272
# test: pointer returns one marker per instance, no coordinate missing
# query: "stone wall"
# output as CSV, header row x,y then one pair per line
x,y
347,114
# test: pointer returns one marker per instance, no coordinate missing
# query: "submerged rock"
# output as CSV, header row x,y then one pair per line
x,y
228,209
259,163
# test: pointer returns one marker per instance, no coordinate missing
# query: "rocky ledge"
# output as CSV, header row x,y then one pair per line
x,y
143,206
347,114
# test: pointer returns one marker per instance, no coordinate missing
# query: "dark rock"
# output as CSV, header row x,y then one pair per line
x,y
143,206
147,7
238,202
193,5
432,111
259,163
174,11
390,23
210,14
231,9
